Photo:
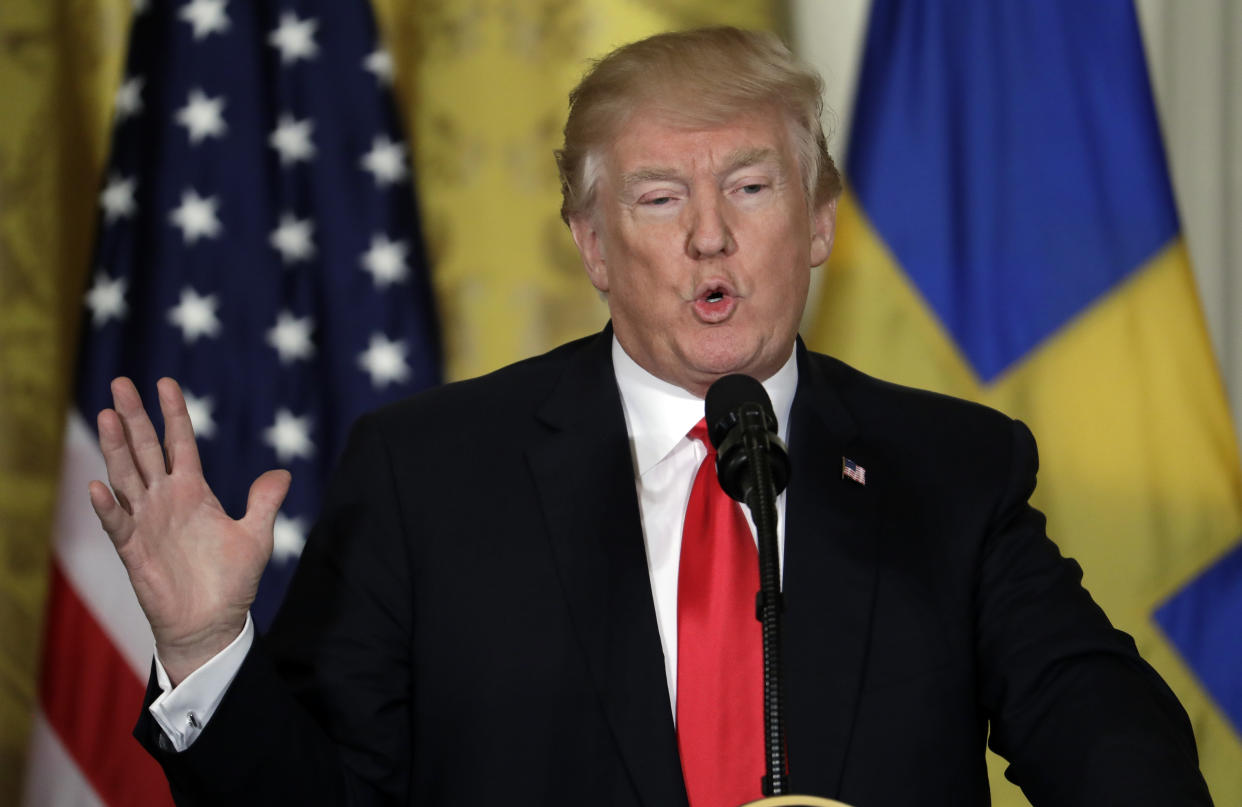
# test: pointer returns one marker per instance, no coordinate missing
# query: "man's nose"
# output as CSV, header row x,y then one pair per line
x,y
709,233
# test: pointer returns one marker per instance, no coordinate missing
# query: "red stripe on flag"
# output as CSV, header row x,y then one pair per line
x,y
91,698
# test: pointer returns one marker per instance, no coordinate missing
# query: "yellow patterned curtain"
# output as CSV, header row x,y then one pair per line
x,y
482,84
486,83
60,61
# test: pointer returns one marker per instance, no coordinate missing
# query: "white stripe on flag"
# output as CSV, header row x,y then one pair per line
x,y
86,555
52,777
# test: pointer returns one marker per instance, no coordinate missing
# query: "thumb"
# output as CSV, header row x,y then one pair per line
x,y
266,495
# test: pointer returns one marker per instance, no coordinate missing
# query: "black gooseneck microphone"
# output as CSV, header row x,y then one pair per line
x,y
738,408
753,466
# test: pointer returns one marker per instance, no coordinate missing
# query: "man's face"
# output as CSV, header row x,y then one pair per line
x,y
703,240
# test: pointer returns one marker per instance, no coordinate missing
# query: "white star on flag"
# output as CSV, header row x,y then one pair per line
x,y
128,99
385,361
195,315
385,161
294,38
117,198
202,116
385,260
289,436
292,239
292,139
106,299
196,216
288,538
200,411
206,16
291,336
379,64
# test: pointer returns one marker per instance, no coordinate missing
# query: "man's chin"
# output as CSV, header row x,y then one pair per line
x,y
709,365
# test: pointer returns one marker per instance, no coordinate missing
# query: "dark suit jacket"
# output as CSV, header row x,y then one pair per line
x,y
472,621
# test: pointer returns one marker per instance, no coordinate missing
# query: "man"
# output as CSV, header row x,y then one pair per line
x,y
493,606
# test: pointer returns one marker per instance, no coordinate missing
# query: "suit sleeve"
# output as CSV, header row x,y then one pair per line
x,y
1080,717
319,711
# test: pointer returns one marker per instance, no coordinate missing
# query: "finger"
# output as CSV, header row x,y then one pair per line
x,y
122,474
266,495
116,522
178,430
143,442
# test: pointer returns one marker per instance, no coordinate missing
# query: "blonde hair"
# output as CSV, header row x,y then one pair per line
x,y
704,77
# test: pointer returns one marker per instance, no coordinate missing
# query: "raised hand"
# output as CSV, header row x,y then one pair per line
x,y
195,570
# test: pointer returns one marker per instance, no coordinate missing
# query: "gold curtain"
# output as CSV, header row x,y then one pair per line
x,y
486,83
482,87
60,61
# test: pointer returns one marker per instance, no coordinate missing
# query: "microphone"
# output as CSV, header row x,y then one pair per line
x,y
742,428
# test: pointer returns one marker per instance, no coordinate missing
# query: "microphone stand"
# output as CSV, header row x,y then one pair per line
x,y
769,603
761,500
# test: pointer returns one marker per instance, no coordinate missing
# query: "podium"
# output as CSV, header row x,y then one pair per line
x,y
795,801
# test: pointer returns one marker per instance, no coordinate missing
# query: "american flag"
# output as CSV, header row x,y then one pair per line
x,y
852,470
257,241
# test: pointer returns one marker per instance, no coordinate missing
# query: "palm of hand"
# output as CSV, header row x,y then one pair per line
x,y
194,569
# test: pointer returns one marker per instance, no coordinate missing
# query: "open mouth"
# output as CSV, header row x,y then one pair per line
x,y
714,304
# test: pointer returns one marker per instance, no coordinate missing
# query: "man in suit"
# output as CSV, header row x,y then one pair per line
x,y
488,610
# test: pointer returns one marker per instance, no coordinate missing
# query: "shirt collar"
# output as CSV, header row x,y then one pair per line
x,y
658,415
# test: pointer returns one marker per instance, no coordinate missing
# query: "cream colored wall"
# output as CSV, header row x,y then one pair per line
x,y
1196,70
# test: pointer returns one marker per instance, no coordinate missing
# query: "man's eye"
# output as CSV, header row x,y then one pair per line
x,y
658,200
753,188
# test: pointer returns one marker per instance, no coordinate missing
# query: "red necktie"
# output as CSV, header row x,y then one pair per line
x,y
719,654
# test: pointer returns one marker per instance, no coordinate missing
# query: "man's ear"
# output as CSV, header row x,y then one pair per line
x,y
586,236
823,230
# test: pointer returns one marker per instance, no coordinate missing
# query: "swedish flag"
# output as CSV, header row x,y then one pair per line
x,y
1009,235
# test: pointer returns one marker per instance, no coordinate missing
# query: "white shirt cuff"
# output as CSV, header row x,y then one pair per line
x,y
184,710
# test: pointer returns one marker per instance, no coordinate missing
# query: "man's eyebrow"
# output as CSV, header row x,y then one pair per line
x,y
747,157
737,160
654,174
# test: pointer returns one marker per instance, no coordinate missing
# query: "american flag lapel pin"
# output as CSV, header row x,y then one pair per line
x,y
852,470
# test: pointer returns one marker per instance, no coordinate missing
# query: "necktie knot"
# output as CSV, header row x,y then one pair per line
x,y
699,432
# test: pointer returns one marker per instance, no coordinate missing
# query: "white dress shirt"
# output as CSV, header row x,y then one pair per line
x,y
658,417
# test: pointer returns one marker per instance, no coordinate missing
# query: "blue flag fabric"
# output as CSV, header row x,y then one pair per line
x,y
1204,620
259,242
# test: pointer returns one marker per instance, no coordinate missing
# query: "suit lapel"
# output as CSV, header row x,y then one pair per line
x,y
829,581
585,478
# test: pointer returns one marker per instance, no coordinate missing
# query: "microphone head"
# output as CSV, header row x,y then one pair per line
x,y
739,412
726,396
